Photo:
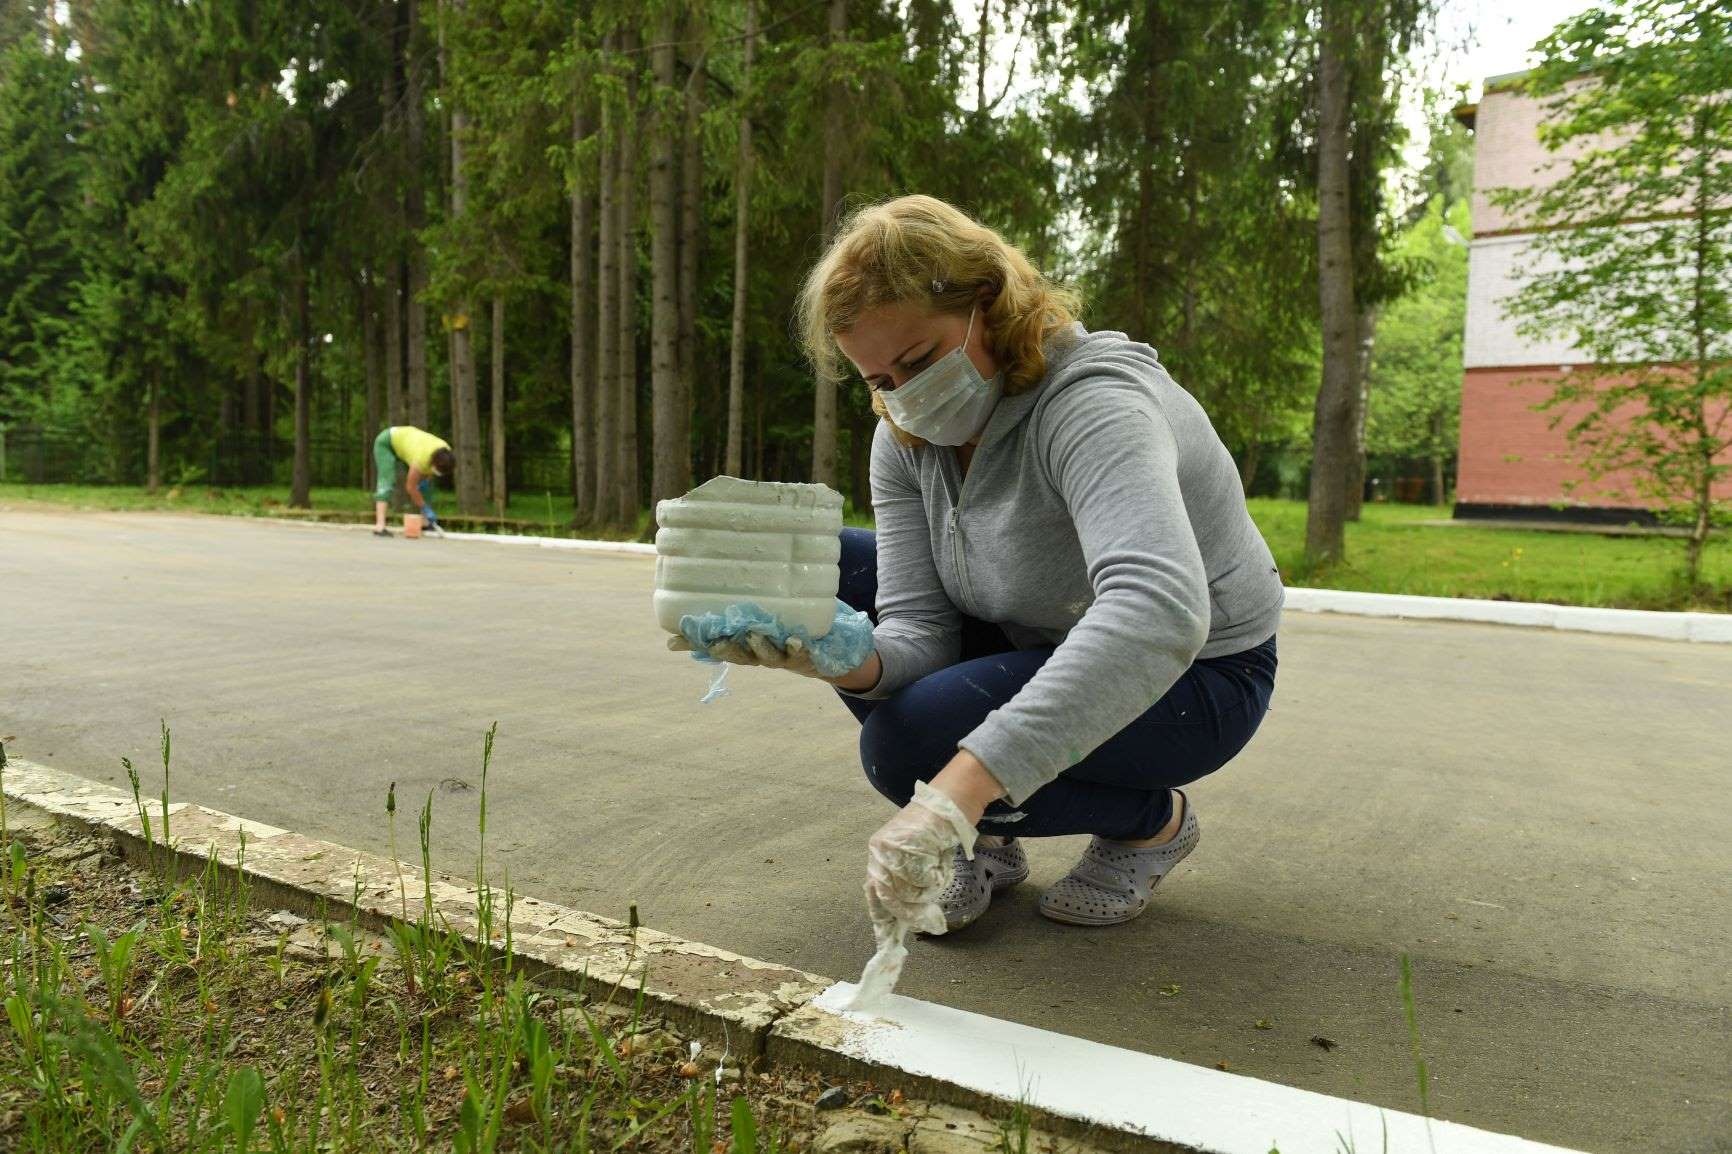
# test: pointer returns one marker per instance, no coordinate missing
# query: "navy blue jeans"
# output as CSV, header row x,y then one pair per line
x,y
1118,791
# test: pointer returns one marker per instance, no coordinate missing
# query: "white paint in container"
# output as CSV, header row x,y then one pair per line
x,y
732,541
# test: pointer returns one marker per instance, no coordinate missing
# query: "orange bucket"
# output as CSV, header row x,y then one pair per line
x,y
412,525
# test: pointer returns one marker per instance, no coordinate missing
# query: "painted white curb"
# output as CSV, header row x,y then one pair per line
x,y
641,547
1708,627
1191,1107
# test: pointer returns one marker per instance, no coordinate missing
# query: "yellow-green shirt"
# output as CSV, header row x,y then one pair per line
x,y
416,447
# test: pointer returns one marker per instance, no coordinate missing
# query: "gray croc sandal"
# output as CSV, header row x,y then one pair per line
x,y
1113,881
971,887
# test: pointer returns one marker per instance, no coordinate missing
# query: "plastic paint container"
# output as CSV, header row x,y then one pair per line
x,y
412,525
731,541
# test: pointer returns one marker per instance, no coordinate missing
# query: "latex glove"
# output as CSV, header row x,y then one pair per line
x,y
742,642
908,864
427,512
755,649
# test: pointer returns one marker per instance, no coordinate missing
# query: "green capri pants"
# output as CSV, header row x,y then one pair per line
x,y
385,465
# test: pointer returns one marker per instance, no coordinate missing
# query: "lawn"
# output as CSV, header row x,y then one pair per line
x,y
1393,549
1402,549
542,509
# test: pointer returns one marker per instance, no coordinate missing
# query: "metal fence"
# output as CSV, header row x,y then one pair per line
x,y
1284,472
43,457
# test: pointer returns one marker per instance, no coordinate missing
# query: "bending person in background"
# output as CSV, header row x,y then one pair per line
x,y
423,455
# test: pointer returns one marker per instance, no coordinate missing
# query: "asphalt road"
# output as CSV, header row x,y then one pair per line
x,y
1542,821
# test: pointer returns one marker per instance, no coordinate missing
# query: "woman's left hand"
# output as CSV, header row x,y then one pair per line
x,y
908,862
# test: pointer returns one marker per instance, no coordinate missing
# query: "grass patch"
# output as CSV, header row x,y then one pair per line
x,y
1393,549
145,1013
541,514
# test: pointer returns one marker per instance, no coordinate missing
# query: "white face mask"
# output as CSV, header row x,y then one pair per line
x,y
948,402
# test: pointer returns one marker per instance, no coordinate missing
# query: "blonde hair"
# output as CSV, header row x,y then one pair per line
x,y
920,249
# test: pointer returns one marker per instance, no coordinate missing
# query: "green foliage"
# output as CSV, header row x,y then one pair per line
x,y
1199,233
1415,402
219,156
40,160
1635,264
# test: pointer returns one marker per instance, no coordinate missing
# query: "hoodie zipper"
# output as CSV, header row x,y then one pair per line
x,y
957,539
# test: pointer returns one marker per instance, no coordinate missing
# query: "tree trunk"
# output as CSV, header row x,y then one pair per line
x,y
758,434
1438,496
607,316
267,417
742,214
373,340
498,350
670,442
396,398
980,41
301,484
251,398
226,412
153,436
691,237
1706,442
1248,462
453,394
1332,418
1149,147
860,424
582,348
415,219
465,403
1365,332
824,396
389,284
631,121
1366,107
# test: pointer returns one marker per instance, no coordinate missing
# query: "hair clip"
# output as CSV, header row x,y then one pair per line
x,y
937,285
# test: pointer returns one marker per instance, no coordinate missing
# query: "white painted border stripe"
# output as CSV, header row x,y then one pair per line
x,y
640,547
1191,1106
1706,627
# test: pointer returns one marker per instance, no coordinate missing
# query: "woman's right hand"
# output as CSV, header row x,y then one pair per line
x,y
845,656
755,649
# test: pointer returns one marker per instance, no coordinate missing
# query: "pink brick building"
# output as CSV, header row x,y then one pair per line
x,y
1512,462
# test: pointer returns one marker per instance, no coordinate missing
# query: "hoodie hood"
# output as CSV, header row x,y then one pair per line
x,y
1069,355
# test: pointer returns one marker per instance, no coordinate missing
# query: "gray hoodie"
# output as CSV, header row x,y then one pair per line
x,y
1100,514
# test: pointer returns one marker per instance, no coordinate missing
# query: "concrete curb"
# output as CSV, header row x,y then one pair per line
x,y
1112,1098
643,548
1713,628
719,996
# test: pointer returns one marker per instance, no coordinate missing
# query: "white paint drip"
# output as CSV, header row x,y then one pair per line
x,y
1190,1106
718,685
879,978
